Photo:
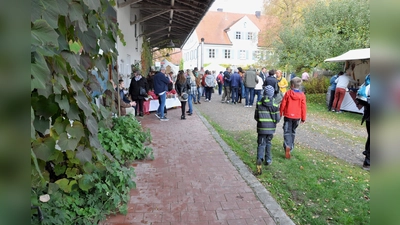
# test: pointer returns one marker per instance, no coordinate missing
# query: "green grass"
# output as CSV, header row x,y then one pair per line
x,y
316,106
312,187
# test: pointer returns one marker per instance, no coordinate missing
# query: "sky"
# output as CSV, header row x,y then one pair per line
x,y
241,6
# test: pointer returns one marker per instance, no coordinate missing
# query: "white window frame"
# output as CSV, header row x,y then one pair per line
x,y
250,35
227,53
211,53
238,35
242,54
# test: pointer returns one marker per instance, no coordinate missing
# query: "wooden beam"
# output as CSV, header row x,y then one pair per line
x,y
153,32
156,7
149,17
127,2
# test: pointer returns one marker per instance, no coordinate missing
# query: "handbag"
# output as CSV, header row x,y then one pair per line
x,y
142,92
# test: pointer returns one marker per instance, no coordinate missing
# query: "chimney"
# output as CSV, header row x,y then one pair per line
x,y
219,10
258,14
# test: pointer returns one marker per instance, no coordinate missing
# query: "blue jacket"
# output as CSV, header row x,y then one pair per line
x,y
236,81
227,79
332,82
160,83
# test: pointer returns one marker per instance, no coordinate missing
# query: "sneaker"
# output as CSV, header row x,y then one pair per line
x,y
268,163
339,112
250,106
199,102
287,152
259,167
227,101
164,118
187,111
158,116
206,100
209,100
333,110
195,102
245,106
189,114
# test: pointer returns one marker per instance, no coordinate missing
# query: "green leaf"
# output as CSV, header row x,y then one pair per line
x,y
75,46
47,90
43,34
85,182
83,103
53,188
35,10
73,112
60,124
59,169
63,102
66,143
75,11
76,86
44,147
76,130
72,59
92,4
91,124
70,154
33,132
84,155
82,73
63,184
71,172
40,73
88,40
44,107
35,162
41,124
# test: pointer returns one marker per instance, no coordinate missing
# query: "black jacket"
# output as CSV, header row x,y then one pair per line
x,y
271,80
266,115
134,88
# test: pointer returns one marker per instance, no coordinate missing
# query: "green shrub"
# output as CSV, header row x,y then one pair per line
x,y
317,85
316,98
125,141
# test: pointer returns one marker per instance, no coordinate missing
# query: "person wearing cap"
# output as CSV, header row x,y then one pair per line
x,y
267,116
294,109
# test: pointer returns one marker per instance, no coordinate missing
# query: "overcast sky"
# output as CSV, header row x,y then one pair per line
x,y
241,6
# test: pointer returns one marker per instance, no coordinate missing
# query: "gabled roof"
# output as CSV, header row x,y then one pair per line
x,y
214,24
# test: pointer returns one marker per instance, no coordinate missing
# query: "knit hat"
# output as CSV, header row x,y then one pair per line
x,y
269,91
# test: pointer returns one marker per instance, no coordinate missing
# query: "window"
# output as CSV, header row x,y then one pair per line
x,y
211,53
227,54
238,35
250,36
242,54
256,55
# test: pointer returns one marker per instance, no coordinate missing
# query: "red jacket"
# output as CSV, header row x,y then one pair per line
x,y
293,105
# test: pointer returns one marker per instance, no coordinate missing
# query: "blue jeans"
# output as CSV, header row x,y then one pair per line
x,y
235,96
264,147
258,93
160,109
190,102
243,89
249,99
199,93
289,132
220,88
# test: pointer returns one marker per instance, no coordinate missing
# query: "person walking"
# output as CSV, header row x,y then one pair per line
x,y
182,88
267,116
341,85
282,82
235,83
161,82
241,87
138,82
227,86
199,87
250,80
294,109
192,92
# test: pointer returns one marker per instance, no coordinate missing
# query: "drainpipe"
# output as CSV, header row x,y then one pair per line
x,y
202,52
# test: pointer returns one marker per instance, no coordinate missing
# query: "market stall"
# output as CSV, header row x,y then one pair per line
x,y
359,62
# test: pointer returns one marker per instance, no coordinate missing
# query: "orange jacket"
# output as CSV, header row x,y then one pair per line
x,y
293,105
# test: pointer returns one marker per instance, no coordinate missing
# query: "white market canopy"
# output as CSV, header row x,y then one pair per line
x,y
355,54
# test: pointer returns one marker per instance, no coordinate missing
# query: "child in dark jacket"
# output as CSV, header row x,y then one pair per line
x,y
267,116
293,108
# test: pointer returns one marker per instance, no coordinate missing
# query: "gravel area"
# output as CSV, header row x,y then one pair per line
x,y
316,133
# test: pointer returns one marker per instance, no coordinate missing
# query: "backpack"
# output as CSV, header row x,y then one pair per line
x,y
364,92
209,81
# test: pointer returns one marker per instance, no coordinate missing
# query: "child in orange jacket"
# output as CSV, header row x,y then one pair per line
x,y
294,109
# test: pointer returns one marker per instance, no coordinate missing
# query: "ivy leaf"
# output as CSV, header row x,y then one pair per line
x,y
74,46
81,72
59,169
60,124
64,185
41,124
92,4
44,107
100,65
91,124
35,10
66,143
73,112
94,142
83,103
76,130
84,155
85,183
75,11
52,188
71,172
63,102
43,34
88,40
47,90
34,159
73,59
44,147
40,73
61,80
76,86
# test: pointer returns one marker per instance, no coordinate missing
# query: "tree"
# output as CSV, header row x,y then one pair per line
x,y
329,29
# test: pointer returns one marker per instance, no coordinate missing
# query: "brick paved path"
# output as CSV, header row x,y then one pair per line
x,y
190,181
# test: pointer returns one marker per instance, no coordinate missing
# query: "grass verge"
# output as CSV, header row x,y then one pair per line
x,y
312,187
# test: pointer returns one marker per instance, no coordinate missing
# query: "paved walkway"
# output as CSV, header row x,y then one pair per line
x,y
195,179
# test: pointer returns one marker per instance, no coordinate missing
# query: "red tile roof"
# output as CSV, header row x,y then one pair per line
x,y
214,24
